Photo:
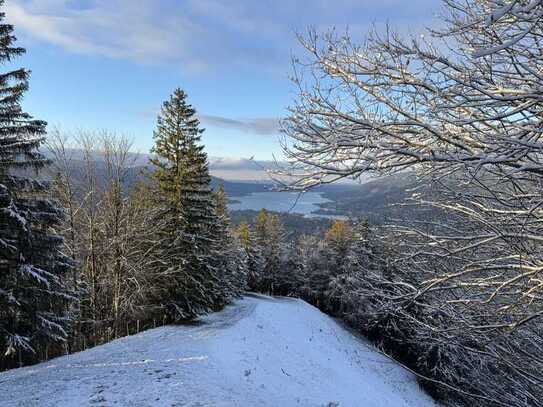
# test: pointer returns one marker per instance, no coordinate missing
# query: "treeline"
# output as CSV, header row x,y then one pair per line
x,y
296,225
320,268
153,246
89,249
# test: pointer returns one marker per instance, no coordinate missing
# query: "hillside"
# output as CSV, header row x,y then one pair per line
x,y
258,352
372,199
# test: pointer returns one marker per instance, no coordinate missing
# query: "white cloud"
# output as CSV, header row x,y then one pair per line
x,y
232,168
197,35
262,125
113,28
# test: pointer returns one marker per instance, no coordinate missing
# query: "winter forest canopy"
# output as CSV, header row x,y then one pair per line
x,y
450,286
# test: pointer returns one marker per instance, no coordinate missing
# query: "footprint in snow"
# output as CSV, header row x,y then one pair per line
x,y
96,396
98,399
166,376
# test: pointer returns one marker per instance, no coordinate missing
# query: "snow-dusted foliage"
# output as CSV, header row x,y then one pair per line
x,y
251,256
461,107
230,256
268,251
192,274
34,299
109,228
152,245
506,23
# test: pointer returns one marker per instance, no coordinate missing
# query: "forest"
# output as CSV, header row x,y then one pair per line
x,y
449,281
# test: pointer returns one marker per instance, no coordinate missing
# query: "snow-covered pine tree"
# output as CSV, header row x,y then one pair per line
x,y
253,256
347,251
270,237
191,283
231,260
33,296
367,251
260,228
311,267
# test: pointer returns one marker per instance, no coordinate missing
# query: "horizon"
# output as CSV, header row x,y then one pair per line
x,y
232,169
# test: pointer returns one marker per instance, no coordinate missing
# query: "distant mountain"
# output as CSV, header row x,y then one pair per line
x,y
230,168
374,199
133,173
237,188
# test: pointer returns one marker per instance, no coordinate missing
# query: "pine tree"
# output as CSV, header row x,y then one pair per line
x,y
261,228
33,296
263,282
221,209
270,238
339,239
280,276
253,256
187,272
312,266
231,260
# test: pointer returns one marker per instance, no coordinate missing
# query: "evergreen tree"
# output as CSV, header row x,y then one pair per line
x,y
261,228
244,234
359,277
253,256
187,271
231,260
339,238
312,266
270,238
33,294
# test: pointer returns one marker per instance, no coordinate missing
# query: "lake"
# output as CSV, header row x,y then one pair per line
x,y
280,202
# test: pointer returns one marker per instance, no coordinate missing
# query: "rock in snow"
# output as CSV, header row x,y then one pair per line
x,y
260,351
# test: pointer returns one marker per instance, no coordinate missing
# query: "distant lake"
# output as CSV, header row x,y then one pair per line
x,y
280,202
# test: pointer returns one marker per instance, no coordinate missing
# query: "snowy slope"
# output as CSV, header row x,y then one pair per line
x,y
258,352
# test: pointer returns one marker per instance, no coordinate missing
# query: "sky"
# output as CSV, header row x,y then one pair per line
x,y
109,64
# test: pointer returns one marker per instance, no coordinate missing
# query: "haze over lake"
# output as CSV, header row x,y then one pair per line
x,y
280,202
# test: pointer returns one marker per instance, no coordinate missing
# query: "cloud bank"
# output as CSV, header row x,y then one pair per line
x,y
265,126
241,169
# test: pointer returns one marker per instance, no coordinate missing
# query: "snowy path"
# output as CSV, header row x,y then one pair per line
x,y
258,352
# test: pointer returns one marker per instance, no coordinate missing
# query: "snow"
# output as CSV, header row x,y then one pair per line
x,y
260,351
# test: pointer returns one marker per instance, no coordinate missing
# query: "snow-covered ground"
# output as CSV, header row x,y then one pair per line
x,y
260,351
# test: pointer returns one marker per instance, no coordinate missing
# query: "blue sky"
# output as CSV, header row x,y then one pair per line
x,y
109,64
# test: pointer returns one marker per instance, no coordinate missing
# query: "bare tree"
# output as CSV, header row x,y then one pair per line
x,y
462,108
110,229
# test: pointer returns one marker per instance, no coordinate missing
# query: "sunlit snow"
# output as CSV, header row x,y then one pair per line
x,y
258,352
